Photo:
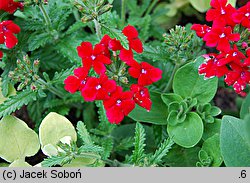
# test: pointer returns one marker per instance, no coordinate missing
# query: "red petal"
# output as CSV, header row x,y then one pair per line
x,y
134,72
99,67
136,45
115,115
126,55
13,27
85,50
1,54
223,45
10,40
130,32
127,106
72,84
103,59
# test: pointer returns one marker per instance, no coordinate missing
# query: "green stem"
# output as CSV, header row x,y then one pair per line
x,y
115,163
51,88
151,7
170,82
45,15
123,13
98,28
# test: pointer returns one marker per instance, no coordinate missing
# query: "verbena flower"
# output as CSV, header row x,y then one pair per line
x,y
7,31
10,6
119,104
93,57
98,88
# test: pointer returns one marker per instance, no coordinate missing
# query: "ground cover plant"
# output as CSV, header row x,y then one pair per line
x,y
124,83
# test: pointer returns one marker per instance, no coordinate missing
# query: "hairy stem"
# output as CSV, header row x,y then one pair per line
x,y
152,5
51,88
45,15
98,28
170,82
123,12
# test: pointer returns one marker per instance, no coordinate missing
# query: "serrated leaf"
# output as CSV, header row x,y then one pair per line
x,y
138,153
16,102
37,41
83,133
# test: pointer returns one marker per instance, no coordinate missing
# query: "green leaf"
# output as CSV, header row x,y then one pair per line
x,y
54,127
11,92
16,102
171,97
182,157
201,6
157,115
212,147
245,108
188,133
17,140
138,153
162,151
83,133
37,41
232,2
188,83
235,145
211,129
80,162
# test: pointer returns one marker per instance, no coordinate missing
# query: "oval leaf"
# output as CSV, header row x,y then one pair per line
x,y
188,133
188,83
17,140
54,127
157,115
235,146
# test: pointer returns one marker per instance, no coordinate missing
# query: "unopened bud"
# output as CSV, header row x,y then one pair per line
x,y
244,45
33,87
11,74
124,80
104,9
20,86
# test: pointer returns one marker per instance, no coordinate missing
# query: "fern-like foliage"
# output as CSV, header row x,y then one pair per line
x,y
138,153
83,133
17,101
164,148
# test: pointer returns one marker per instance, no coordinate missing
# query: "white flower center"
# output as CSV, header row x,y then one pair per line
x,y
234,54
83,82
142,93
98,87
118,102
222,35
93,57
247,14
223,12
143,71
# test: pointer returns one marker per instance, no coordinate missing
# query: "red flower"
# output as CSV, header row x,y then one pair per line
x,y
78,81
146,73
132,35
220,37
233,55
112,44
119,104
7,31
93,57
201,30
1,54
221,12
210,68
141,96
242,15
10,5
98,88
134,44
239,77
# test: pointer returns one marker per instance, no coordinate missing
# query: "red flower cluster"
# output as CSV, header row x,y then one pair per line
x,y
8,28
233,58
10,6
107,81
